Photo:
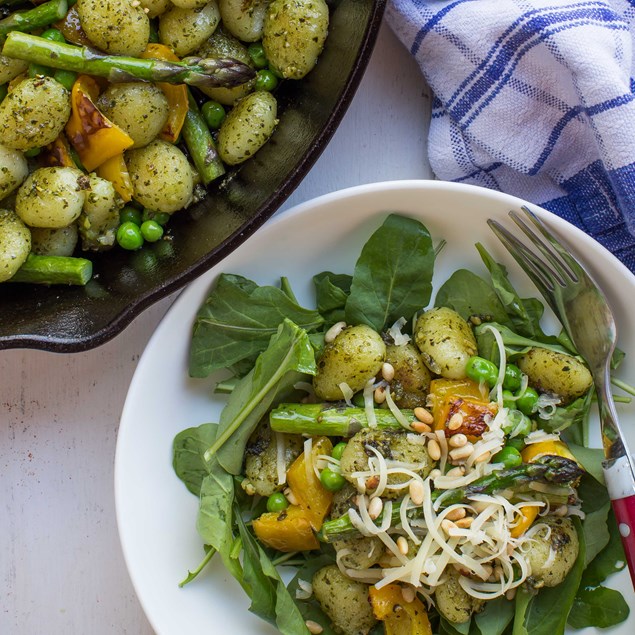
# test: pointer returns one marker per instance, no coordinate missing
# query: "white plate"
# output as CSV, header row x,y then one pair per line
x,y
155,513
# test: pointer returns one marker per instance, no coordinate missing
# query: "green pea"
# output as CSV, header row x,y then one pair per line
x,y
162,218
129,214
528,401
332,481
513,377
516,442
66,78
257,53
508,456
129,236
151,231
481,369
53,35
518,424
337,450
33,152
40,70
266,80
213,113
277,502
509,400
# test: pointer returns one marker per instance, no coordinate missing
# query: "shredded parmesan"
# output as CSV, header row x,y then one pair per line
x,y
538,436
304,590
369,403
347,392
281,466
392,406
497,390
308,459
398,337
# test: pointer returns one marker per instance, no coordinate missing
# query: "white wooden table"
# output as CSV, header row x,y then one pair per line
x,y
61,567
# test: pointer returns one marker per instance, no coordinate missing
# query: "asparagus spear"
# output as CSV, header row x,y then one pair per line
x,y
200,144
54,270
329,420
195,71
557,470
34,18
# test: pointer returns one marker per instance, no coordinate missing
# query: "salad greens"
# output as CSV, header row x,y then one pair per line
x,y
269,343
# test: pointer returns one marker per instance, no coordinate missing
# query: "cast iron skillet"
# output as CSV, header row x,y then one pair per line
x,y
70,319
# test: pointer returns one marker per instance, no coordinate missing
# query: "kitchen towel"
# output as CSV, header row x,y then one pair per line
x,y
535,98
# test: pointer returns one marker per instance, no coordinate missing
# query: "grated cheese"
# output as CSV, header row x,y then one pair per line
x,y
308,459
281,465
398,337
347,392
397,414
369,403
538,436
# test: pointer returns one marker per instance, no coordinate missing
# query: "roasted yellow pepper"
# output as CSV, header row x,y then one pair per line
x,y
287,531
57,154
528,515
176,94
399,617
115,170
95,137
534,451
449,396
312,497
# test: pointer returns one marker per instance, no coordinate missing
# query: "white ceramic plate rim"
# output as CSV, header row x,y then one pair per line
x,y
162,370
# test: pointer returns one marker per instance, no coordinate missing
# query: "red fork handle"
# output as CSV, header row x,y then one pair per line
x,y
624,509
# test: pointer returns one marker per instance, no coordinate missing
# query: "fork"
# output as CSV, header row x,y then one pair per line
x,y
587,318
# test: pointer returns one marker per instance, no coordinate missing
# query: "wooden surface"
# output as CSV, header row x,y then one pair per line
x,y
61,567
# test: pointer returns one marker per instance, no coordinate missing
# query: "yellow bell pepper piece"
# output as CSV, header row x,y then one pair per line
x,y
306,486
534,451
115,170
176,94
95,137
449,396
57,154
287,531
399,617
528,515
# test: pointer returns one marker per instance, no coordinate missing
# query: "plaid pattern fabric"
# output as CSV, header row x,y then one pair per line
x,y
534,98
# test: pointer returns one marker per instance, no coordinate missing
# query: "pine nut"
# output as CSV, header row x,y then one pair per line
x,y
563,510
435,473
424,415
464,523
416,492
290,496
388,371
498,572
457,440
456,421
456,514
313,627
375,507
372,482
408,594
334,331
420,427
483,457
511,594
487,571
456,472
379,395
447,525
462,453
402,545
434,449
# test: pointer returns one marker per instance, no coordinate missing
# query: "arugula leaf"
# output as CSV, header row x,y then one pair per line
x,y
573,415
495,617
525,315
546,613
270,599
393,274
596,533
524,598
610,560
237,321
188,449
599,607
287,359
468,295
331,291
450,628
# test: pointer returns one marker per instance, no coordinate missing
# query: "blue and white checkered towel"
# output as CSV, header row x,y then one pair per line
x,y
535,98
